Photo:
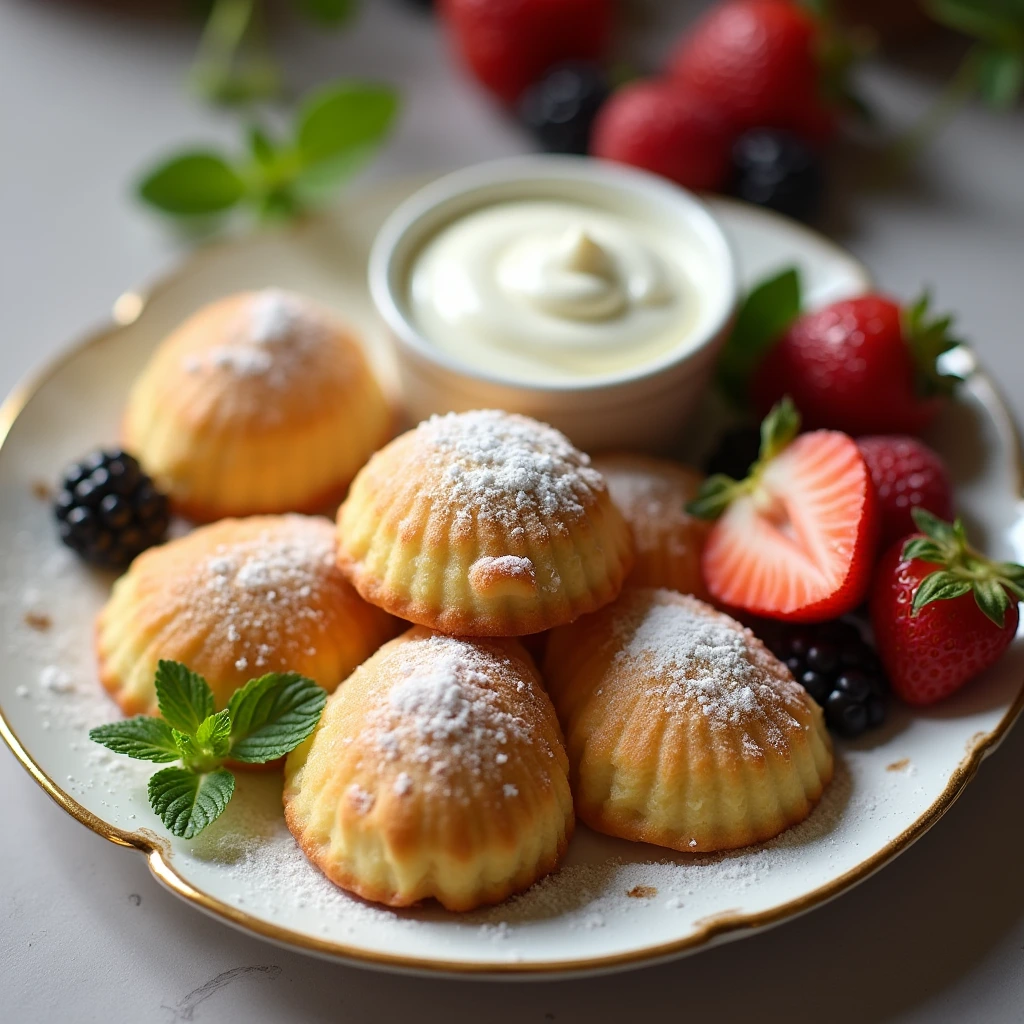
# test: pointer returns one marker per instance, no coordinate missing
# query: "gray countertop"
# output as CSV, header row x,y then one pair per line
x,y
86,98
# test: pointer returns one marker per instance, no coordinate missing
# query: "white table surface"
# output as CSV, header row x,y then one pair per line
x,y
88,97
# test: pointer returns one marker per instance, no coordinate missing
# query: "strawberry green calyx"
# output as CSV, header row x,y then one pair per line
x,y
996,585
718,492
929,337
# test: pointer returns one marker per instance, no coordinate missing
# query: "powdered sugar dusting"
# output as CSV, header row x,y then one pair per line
x,y
696,660
445,714
259,585
497,465
275,338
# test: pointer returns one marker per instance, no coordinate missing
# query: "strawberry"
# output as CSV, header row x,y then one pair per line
x,y
796,539
759,64
863,366
652,125
907,474
509,44
941,612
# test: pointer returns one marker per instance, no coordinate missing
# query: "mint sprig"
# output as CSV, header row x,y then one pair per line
x,y
263,721
337,129
961,569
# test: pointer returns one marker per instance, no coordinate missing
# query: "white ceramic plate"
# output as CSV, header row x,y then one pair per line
x,y
614,903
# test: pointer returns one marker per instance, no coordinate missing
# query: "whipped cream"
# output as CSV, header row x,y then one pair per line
x,y
546,291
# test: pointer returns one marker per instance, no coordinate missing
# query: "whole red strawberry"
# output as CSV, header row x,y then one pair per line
x,y
863,366
907,474
509,44
941,612
757,62
795,540
651,124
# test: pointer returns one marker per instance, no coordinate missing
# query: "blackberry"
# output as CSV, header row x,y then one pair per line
x,y
108,510
736,452
836,667
777,170
560,108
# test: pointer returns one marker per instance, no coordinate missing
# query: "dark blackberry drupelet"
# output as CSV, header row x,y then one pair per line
x,y
777,170
736,452
108,510
560,108
836,667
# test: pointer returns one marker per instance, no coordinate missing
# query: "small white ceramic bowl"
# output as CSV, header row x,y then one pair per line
x,y
643,408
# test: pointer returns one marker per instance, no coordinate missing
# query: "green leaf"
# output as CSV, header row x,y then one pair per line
x,y
316,182
769,308
187,801
779,428
930,337
946,535
344,116
1009,571
183,696
192,184
998,22
922,549
214,734
939,586
714,497
329,12
992,599
143,737
1001,78
272,715
261,146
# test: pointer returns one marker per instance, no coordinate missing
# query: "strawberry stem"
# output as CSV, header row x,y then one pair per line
x,y
995,585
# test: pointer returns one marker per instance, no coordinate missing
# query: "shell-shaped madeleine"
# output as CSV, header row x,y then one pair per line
x,y
483,523
233,600
682,728
437,770
260,402
652,494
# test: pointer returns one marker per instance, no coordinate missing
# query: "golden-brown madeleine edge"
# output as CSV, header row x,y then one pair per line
x,y
437,771
483,524
705,766
232,600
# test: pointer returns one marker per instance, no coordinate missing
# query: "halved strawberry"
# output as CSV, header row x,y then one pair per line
x,y
795,540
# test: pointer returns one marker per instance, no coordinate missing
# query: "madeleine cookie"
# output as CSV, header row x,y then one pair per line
x,y
437,771
233,600
682,729
652,495
483,524
260,402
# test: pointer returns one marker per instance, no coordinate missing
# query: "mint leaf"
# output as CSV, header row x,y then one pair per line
x,y
143,737
1001,77
183,696
272,715
344,116
214,734
188,801
192,184
329,12
769,308
261,146
316,182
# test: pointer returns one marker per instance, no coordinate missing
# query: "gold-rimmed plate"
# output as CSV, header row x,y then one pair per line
x,y
614,904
